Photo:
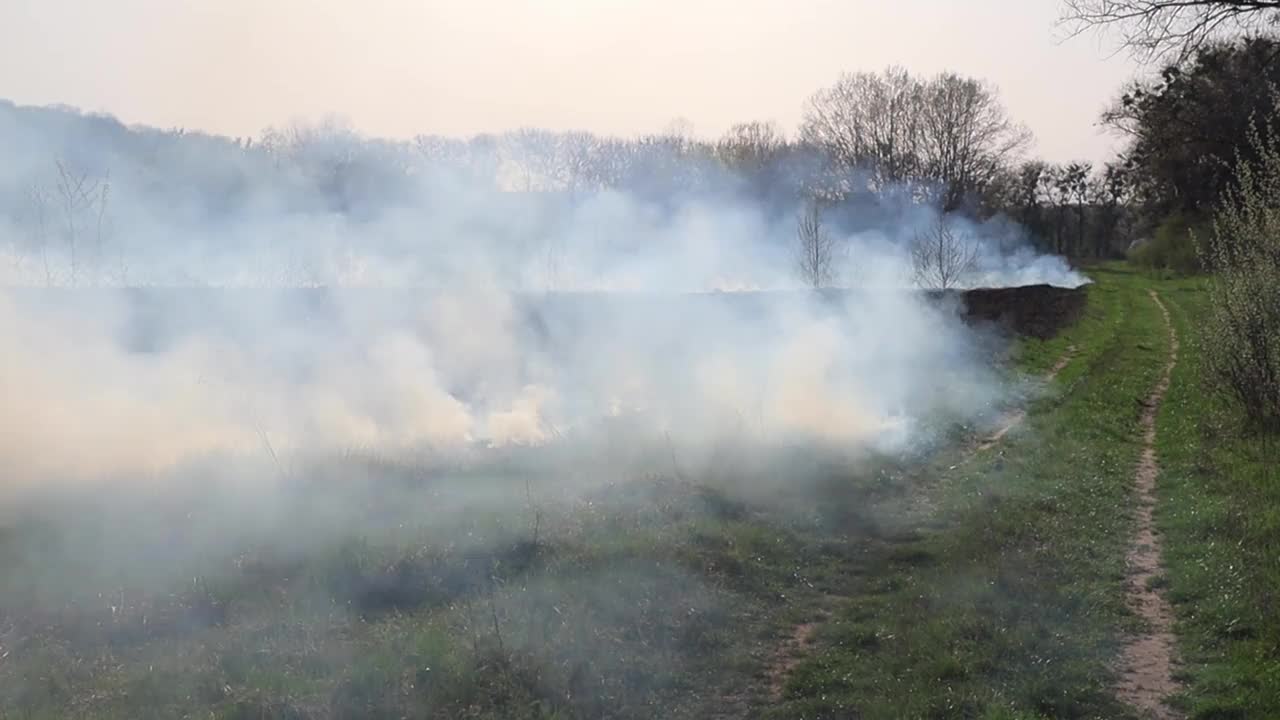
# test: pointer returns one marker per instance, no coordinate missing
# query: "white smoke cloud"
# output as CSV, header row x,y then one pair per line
x,y
450,313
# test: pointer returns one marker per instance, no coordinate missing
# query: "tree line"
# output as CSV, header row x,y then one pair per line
x,y
1188,123
1202,162
869,142
868,139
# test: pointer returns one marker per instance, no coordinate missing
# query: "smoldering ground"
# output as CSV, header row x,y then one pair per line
x,y
402,431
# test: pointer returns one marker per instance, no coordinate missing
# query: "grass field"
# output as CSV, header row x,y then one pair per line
x,y
1220,513
1010,605
971,584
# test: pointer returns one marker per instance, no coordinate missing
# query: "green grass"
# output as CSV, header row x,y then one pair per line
x,y
1220,513
595,620
1012,606
974,586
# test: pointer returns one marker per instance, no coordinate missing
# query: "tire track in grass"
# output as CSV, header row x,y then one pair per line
x,y
792,652
1147,659
1015,418
797,643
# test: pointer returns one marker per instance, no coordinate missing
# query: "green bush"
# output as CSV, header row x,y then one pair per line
x,y
1172,247
1242,336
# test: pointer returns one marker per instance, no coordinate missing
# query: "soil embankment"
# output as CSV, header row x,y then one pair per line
x,y
1039,311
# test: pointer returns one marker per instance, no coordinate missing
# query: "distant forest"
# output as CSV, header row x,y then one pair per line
x,y
867,145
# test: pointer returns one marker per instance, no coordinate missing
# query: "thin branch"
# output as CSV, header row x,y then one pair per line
x,y
1168,30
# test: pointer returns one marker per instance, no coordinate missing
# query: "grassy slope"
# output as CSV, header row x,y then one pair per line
x,y
1011,606
1220,514
1011,609
987,587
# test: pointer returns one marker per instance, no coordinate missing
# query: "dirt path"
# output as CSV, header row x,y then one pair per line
x,y
1015,418
793,650
1146,662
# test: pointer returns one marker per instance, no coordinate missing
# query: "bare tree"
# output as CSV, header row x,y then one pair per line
x,y
546,161
476,159
1169,30
612,159
815,249
39,201
70,210
678,132
941,258
966,137
83,202
751,146
915,135
870,121
579,155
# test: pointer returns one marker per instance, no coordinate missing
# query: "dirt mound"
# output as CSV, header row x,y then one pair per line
x,y
1039,311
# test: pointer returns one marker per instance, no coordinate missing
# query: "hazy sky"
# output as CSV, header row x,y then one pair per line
x,y
401,67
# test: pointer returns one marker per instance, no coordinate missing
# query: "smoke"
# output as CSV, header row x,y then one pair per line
x,y
256,388
110,382
175,297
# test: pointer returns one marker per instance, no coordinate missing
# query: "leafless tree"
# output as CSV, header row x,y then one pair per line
x,y
1169,30
332,158
82,200
815,249
679,133
966,137
916,135
868,120
67,224
748,147
941,258
534,160
577,153
476,159
440,150
39,201
612,158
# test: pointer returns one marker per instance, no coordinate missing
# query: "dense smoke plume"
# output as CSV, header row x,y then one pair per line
x,y
175,297
504,413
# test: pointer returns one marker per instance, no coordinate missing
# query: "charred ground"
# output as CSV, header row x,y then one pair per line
x,y
1036,311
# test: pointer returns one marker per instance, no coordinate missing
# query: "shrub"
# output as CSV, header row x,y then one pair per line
x,y
1172,247
1242,336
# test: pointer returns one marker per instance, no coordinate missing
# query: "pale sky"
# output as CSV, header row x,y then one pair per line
x,y
401,67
